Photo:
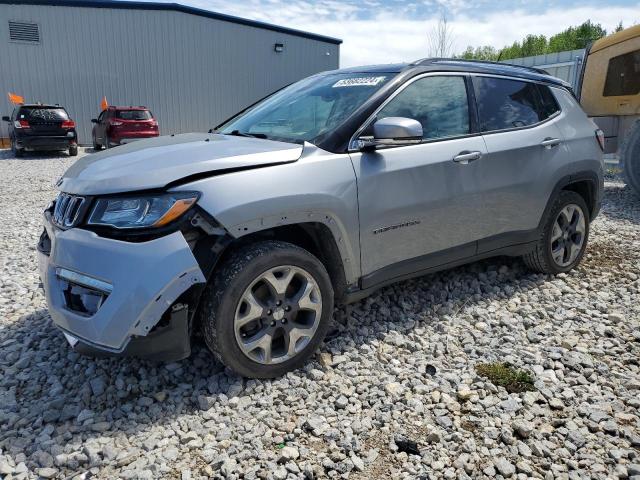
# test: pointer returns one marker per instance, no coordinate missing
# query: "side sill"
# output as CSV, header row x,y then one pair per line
x,y
368,288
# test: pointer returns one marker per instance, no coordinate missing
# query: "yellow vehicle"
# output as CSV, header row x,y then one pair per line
x,y
609,92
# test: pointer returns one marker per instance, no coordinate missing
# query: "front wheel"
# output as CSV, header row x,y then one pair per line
x,y
267,309
564,237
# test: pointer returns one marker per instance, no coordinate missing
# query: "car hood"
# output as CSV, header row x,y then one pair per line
x,y
157,162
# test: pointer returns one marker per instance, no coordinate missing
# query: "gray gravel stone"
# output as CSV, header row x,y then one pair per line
x,y
403,364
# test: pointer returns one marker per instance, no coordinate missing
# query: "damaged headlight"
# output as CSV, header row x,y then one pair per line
x,y
141,211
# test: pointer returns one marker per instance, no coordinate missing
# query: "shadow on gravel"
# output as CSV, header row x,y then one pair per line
x,y
48,392
8,155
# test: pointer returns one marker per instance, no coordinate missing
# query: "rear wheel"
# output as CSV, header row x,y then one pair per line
x,y
564,237
17,152
267,309
630,156
73,150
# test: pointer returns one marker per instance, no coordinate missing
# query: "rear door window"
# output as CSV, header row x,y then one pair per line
x,y
133,114
42,114
504,103
623,75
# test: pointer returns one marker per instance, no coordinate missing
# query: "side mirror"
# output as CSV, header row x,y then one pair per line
x,y
94,120
6,119
393,131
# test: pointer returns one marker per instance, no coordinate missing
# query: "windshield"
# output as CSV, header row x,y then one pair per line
x,y
133,114
308,109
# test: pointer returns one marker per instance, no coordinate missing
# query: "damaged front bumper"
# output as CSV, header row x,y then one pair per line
x,y
112,297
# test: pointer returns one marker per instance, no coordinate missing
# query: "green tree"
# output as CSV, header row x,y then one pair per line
x,y
574,38
486,52
619,27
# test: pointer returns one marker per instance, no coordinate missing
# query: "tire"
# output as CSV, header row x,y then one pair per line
x,y
17,152
105,145
73,150
226,317
542,258
96,147
630,156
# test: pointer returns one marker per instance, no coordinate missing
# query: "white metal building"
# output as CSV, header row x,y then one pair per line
x,y
193,68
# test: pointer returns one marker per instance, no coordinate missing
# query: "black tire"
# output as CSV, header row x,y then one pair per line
x,y
17,152
223,294
96,147
630,156
73,150
541,259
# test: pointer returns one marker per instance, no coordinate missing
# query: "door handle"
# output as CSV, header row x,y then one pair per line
x,y
465,157
550,142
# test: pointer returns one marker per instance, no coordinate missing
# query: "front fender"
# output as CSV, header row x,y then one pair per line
x,y
319,187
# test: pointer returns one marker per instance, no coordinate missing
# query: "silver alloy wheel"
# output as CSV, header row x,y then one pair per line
x,y
278,314
567,236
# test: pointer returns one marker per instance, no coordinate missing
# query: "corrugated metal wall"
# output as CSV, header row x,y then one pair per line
x,y
565,65
192,71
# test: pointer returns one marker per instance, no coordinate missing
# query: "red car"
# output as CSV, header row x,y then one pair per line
x,y
120,125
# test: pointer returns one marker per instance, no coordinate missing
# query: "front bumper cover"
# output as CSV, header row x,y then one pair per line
x,y
146,279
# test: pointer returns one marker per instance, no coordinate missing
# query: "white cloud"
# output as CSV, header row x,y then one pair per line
x,y
397,35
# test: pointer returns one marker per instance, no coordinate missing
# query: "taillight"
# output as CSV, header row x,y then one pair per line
x,y
68,124
600,138
21,124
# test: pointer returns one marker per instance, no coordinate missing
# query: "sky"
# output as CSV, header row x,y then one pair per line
x,y
389,31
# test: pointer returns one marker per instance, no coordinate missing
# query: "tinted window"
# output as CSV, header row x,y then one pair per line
x,y
134,114
504,103
549,102
623,75
438,103
42,114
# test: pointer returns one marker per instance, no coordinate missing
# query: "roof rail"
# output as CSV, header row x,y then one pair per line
x,y
429,61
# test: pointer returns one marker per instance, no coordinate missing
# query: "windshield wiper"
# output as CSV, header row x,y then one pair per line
x,y
238,133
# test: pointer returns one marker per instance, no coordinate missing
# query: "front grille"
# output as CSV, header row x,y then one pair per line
x,y
66,211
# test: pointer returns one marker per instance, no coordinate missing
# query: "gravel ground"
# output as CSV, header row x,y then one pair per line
x,y
403,370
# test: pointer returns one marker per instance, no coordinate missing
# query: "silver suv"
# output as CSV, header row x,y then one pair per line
x,y
315,196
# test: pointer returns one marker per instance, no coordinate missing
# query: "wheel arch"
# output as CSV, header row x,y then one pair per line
x,y
315,237
587,184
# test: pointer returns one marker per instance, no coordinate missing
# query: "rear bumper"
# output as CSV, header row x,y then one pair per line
x,y
128,137
37,142
118,298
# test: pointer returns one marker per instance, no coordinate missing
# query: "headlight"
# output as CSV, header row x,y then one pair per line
x,y
141,211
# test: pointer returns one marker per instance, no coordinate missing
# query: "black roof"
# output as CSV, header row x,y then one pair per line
x,y
176,7
459,65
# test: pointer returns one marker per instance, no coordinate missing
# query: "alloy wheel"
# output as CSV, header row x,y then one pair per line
x,y
278,314
568,234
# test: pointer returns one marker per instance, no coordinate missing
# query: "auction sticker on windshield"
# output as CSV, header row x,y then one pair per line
x,y
358,82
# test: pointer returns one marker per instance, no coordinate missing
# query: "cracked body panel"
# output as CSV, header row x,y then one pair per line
x,y
146,278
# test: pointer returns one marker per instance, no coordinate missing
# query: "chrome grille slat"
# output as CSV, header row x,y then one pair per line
x,y
66,211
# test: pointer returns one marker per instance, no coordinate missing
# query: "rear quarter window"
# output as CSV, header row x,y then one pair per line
x,y
504,103
134,114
